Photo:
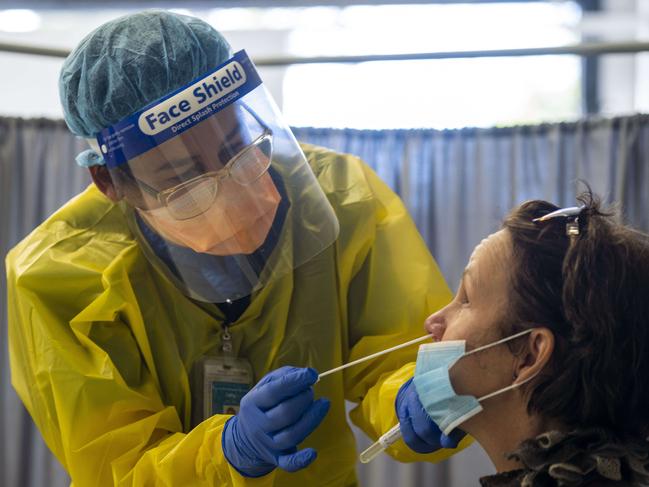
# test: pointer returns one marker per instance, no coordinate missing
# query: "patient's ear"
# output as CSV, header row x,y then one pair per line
x,y
531,361
103,181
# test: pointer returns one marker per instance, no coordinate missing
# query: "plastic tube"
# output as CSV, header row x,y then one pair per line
x,y
381,444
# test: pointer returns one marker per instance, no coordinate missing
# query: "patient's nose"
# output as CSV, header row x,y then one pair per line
x,y
435,325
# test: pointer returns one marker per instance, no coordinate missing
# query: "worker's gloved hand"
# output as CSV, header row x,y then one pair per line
x,y
274,418
420,432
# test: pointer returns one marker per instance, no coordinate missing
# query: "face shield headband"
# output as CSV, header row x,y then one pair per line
x,y
178,112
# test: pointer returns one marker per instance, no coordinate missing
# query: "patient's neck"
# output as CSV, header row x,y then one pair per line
x,y
500,431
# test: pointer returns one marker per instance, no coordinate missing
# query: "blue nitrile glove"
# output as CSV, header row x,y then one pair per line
x,y
275,416
420,432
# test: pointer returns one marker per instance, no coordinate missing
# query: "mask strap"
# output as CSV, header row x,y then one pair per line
x,y
505,389
512,386
506,339
484,347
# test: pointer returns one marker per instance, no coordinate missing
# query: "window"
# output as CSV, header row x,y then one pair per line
x,y
397,94
434,93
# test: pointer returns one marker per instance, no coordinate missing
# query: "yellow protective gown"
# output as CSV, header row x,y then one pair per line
x,y
101,345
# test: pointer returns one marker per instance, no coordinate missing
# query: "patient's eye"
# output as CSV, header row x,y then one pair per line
x,y
462,296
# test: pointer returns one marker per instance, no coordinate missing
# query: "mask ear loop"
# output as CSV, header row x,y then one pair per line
x,y
509,387
505,389
503,340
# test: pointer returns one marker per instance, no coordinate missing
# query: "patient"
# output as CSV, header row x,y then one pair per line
x,y
578,413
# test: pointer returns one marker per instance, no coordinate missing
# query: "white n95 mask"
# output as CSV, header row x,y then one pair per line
x,y
433,383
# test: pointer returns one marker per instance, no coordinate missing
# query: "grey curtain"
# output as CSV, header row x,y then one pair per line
x,y
457,184
37,175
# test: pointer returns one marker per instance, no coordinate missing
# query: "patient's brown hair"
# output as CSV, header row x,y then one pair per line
x,y
593,294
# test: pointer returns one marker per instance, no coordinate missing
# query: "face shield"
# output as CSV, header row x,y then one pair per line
x,y
215,187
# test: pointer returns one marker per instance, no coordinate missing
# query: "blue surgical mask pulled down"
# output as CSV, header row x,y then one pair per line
x,y
433,383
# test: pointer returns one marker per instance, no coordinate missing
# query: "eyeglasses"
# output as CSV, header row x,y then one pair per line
x,y
194,197
571,215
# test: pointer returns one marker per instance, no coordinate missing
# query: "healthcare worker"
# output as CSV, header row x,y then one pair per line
x,y
212,254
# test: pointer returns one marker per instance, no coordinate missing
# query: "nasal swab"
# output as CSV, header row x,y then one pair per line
x,y
395,433
374,355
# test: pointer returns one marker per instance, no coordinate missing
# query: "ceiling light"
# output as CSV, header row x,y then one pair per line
x,y
19,20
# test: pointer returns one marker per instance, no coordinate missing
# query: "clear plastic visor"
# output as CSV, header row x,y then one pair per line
x,y
228,205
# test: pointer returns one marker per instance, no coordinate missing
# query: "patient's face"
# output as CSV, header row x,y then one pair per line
x,y
476,314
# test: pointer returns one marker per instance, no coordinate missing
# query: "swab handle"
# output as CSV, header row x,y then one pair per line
x,y
374,355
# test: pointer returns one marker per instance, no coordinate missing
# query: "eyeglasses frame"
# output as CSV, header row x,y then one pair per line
x,y
163,196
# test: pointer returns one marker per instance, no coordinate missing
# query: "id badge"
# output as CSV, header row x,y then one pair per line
x,y
225,381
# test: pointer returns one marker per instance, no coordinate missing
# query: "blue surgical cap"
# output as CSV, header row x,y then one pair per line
x,y
129,62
